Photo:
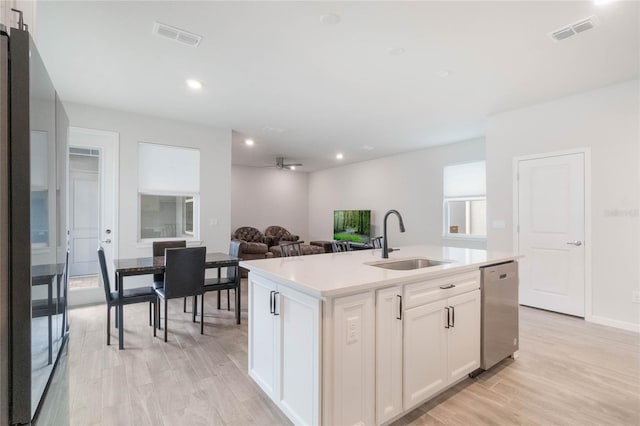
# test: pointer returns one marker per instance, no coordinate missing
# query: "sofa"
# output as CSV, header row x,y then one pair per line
x,y
305,248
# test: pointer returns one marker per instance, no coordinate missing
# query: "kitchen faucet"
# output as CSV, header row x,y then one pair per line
x,y
385,248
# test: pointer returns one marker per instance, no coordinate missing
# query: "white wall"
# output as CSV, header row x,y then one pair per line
x,y
215,170
605,120
410,183
268,196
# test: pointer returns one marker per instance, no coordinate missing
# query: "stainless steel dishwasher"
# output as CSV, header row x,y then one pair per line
x,y
499,337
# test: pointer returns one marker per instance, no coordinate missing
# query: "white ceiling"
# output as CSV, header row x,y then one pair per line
x,y
334,88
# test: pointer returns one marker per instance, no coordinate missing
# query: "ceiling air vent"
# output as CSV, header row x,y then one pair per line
x,y
176,34
573,29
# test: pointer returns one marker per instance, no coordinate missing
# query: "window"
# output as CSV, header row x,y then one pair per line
x,y
41,202
168,191
465,203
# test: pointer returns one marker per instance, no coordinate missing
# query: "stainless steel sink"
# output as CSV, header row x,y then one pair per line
x,y
407,264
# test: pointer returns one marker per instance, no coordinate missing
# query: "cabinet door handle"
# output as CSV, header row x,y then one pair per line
x,y
271,302
445,287
453,317
274,303
399,316
447,325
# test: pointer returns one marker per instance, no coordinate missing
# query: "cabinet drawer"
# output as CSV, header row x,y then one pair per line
x,y
429,291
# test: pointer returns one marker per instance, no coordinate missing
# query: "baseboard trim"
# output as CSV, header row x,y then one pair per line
x,y
629,326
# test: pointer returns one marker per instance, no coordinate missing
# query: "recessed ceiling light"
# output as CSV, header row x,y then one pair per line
x,y
330,19
445,73
194,84
339,156
249,142
396,51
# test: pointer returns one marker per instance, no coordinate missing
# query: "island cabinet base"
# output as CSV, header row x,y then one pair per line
x,y
284,347
365,358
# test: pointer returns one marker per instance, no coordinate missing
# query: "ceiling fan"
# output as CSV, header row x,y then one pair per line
x,y
280,164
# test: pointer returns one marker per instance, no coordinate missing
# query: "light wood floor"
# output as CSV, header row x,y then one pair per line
x,y
569,372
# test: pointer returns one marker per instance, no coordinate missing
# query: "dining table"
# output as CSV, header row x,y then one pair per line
x,y
155,265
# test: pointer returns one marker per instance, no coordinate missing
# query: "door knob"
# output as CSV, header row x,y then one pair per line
x,y
575,243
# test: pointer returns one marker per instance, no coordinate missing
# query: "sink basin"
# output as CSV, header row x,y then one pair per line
x,y
407,264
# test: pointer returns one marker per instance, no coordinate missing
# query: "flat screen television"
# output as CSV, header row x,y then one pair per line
x,y
352,225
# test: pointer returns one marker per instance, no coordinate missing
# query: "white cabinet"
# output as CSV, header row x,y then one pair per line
x,y
284,347
425,352
441,345
463,335
374,355
388,353
262,334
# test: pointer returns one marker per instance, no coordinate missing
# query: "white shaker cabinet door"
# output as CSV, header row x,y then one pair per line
x,y
262,333
425,352
298,385
388,353
464,335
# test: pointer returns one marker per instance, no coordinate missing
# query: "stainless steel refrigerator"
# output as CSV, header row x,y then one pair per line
x,y
33,227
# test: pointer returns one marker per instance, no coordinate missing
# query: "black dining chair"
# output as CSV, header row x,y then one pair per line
x,y
340,246
158,250
230,282
183,277
376,242
129,296
290,249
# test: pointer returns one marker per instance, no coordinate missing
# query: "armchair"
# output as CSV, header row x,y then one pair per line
x,y
252,243
274,234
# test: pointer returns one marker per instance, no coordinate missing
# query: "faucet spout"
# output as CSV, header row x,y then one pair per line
x,y
385,246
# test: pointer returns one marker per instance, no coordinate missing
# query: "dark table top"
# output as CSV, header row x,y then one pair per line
x,y
47,270
151,265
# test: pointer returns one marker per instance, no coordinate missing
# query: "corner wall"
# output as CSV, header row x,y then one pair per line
x,y
215,170
605,120
261,197
410,183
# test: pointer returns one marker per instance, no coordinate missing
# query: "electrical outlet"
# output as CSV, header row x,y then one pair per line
x,y
636,297
353,329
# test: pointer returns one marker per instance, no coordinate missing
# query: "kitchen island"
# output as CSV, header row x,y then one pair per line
x,y
339,339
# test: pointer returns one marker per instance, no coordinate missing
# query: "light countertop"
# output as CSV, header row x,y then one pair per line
x,y
336,274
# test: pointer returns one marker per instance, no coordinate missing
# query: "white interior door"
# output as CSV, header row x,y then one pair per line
x,y
84,222
551,218
107,144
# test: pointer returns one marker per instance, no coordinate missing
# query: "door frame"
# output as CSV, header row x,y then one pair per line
x,y
87,298
586,151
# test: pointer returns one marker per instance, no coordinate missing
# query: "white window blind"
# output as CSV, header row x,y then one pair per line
x,y
465,180
164,169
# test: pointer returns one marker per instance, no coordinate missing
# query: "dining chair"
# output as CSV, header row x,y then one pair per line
x,y
340,246
158,250
376,242
129,296
230,282
290,249
183,277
